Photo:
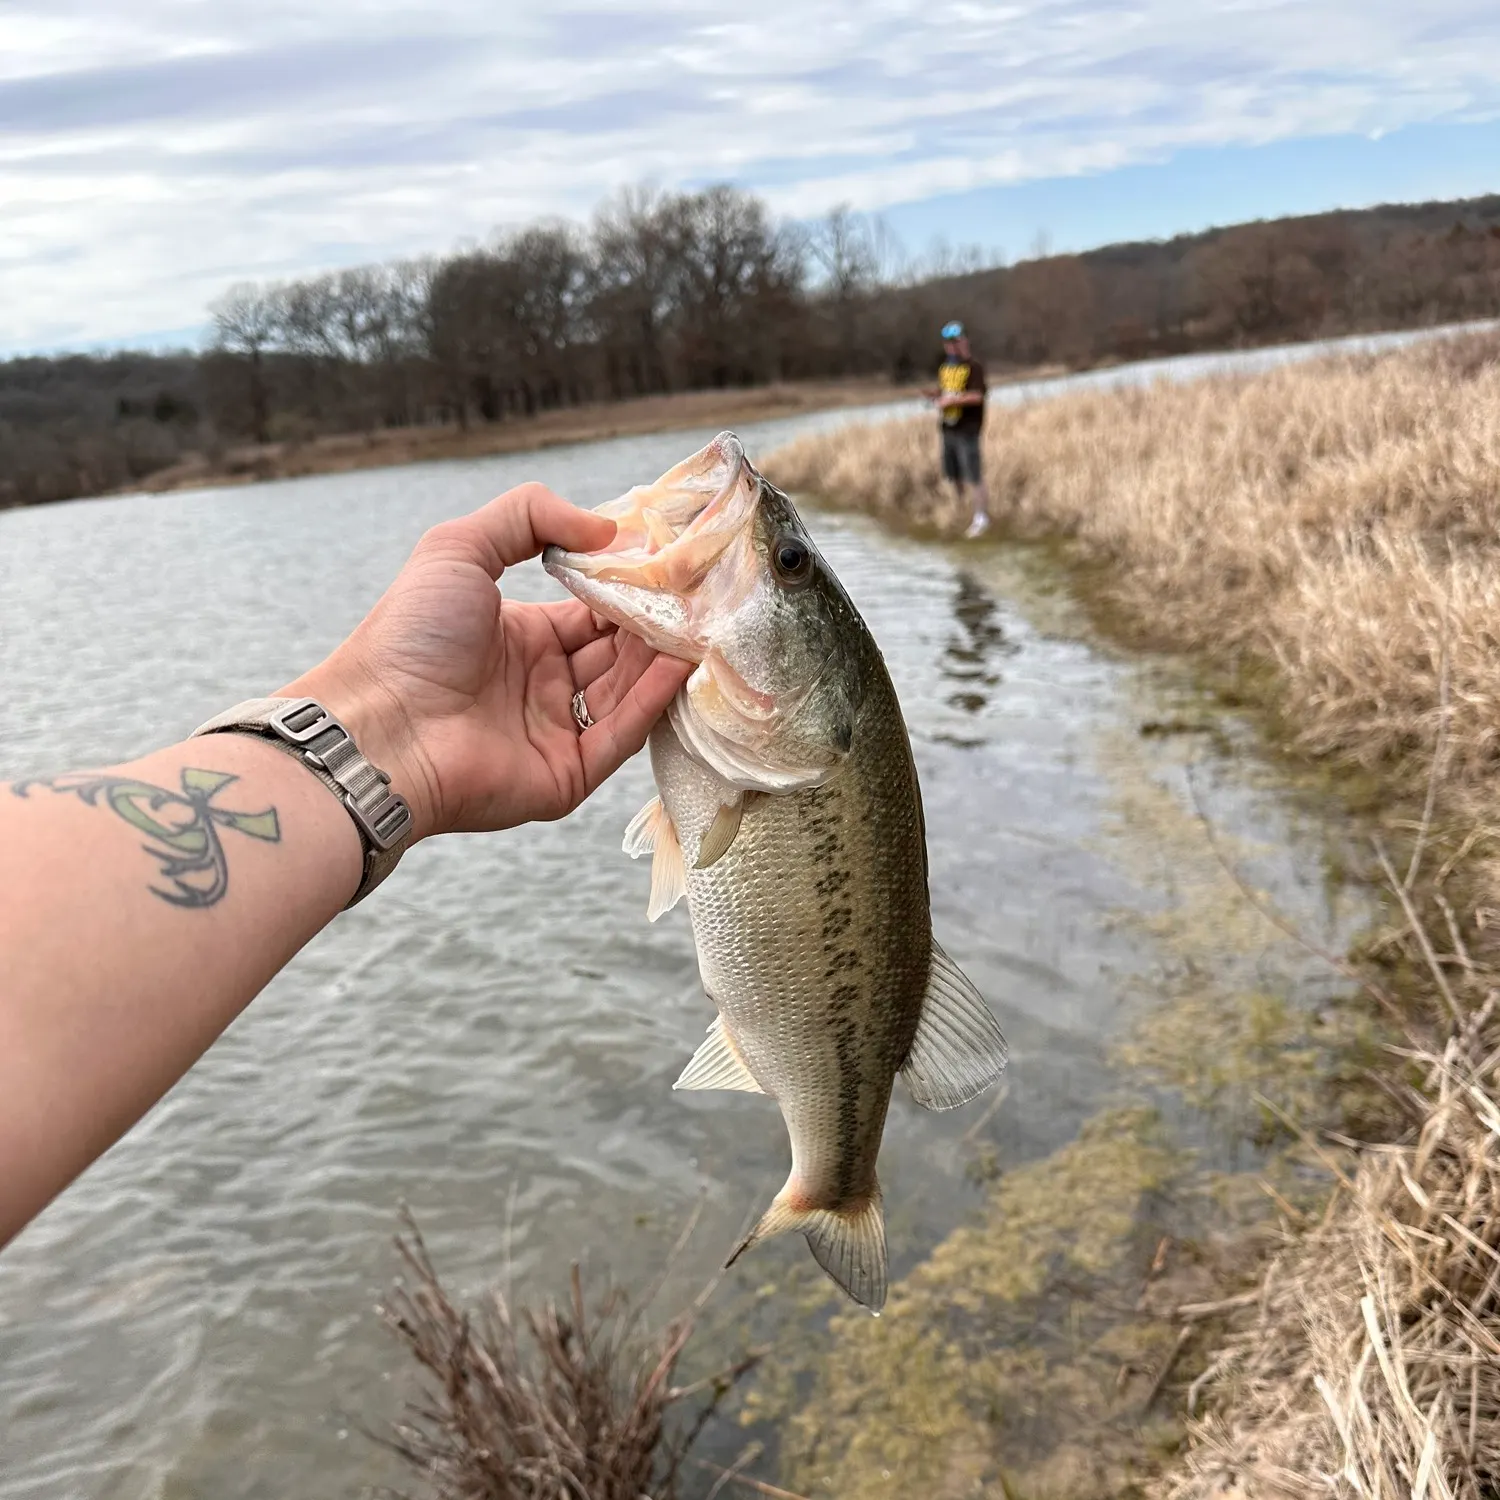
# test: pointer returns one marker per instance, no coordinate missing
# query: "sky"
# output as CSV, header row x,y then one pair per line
x,y
154,153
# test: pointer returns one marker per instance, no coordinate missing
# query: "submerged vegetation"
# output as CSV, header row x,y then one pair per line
x,y
1326,538
1001,1354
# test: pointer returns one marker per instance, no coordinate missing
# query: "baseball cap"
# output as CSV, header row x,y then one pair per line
x,y
953,330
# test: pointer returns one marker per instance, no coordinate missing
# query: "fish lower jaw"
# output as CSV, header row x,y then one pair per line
x,y
656,617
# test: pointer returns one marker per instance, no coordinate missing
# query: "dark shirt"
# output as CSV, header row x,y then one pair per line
x,y
954,377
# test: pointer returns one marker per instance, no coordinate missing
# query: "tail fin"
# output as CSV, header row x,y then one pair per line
x,y
848,1242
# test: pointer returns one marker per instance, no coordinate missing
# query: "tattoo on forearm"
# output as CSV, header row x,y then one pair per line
x,y
184,826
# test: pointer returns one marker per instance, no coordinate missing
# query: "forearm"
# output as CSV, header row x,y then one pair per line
x,y
144,906
141,909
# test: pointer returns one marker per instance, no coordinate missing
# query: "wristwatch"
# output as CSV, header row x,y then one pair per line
x,y
305,729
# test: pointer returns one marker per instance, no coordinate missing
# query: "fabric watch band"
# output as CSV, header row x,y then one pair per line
x,y
305,729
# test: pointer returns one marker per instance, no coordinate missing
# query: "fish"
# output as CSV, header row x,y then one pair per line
x,y
789,815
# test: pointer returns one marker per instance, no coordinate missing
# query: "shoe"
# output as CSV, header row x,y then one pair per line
x,y
978,526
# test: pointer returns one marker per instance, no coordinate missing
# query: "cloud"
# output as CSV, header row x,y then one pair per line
x,y
247,84
150,154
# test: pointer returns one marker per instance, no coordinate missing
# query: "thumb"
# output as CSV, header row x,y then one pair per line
x,y
517,525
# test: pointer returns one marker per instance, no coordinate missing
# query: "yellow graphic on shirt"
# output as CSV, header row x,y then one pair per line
x,y
953,380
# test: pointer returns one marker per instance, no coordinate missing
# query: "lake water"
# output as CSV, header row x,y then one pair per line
x,y
492,1037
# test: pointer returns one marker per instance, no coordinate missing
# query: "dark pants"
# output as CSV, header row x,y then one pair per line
x,y
961,456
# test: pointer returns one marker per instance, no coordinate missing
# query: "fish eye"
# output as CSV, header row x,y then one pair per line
x,y
791,558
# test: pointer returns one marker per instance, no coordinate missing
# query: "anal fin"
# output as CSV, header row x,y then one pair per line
x,y
959,1050
651,830
717,1064
848,1241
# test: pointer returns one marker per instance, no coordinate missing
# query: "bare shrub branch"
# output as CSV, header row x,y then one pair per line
x,y
557,1403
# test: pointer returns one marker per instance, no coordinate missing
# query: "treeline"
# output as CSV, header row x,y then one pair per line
x,y
79,425
660,293
682,291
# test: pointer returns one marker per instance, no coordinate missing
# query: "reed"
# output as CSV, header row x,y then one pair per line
x,y
1368,1363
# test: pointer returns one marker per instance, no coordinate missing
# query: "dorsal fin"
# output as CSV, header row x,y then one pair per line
x,y
958,1050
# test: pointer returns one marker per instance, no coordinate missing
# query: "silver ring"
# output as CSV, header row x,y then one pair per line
x,y
581,715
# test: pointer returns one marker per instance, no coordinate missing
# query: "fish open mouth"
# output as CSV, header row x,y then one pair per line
x,y
686,572
665,560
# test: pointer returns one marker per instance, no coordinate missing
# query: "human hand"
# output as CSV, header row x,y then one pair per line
x,y
465,698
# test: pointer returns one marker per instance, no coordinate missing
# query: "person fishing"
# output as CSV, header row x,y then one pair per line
x,y
143,906
959,395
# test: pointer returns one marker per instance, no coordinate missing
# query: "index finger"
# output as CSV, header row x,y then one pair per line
x,y
609,743
519,523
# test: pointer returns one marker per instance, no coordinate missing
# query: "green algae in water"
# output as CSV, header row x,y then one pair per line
x,y
1249,1028
998,1339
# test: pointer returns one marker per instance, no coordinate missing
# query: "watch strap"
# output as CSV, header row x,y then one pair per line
x,y
303,728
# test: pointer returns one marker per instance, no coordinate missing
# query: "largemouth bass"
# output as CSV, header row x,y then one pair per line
x,y
790,816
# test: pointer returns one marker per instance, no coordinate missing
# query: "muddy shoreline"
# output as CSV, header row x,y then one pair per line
x,y
250,463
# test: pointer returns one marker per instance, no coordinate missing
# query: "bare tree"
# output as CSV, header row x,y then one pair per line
x,y
847,250
548,281
738,285
1049,309
407,332
631,291
1259,278
246,322
843,247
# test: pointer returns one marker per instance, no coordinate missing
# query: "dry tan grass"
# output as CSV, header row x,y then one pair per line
x,y
1370,1366
1336,519
1331,530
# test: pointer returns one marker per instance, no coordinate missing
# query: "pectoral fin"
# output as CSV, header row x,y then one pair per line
x,y
958,1051
651,830
721,833
640,832
718,1065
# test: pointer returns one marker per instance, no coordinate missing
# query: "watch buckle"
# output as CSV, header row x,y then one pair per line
x,y
385,824
302,721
